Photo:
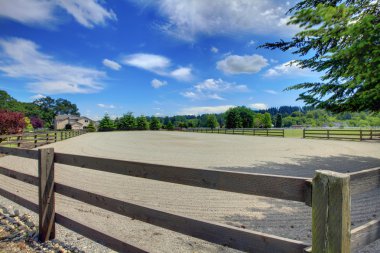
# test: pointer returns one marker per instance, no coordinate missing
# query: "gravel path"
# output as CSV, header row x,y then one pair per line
x,y
296,157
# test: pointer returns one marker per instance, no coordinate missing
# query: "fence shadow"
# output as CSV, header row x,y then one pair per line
x,y
307,165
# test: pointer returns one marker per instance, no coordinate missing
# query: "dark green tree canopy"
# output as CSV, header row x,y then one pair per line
x,y
212,122
341,40
106,124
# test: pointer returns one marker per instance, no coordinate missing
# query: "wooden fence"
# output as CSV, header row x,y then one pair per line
x,y
347,134
36,139
328,193
280,132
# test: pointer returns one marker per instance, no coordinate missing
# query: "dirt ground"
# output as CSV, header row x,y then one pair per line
x,y
295,157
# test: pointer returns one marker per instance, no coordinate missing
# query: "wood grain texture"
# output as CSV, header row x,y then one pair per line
x,y
236,238
46,199
19,176
365,180
97,236
365,234
281,187
33,154
331,219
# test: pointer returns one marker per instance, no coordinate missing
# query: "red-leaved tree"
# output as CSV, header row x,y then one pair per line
x,y
11,122
36,122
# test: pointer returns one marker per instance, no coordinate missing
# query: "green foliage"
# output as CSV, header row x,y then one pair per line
x,y
340,39
258,120
182,124
267,121
142,123
169,126
212,122
238,117
28,124
126,122
155,123
106,124
278,122
91,127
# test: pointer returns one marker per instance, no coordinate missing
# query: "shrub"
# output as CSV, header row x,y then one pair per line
x,y
11,122
36,122
91,127
155,124
106,124
169,126
142,123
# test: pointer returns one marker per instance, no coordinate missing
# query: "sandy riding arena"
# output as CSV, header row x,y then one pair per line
x,y
271,155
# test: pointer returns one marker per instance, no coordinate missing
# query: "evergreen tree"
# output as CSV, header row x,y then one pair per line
x,y
278,122
170,126
142,123
155,124
106,124
233,119
126,122
340,39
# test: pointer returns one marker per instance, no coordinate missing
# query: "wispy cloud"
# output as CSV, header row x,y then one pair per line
x,y
204,109
157,64
22,59
259,106
111,64
246,64
273,92
106,106
289,69
37,96
88,13
187,20
212,88
157,83
214,50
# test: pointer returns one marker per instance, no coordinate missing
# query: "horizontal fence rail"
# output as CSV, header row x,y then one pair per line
x,y
344,134
279,132
36,139
329,194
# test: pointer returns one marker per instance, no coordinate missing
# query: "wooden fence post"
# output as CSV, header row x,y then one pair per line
x,y
267,132
19,138
46,200
35,140
331,208
370,134
328,134
304,133
361,135
55,136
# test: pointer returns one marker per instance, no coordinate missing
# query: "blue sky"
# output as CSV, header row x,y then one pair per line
x,y
160,57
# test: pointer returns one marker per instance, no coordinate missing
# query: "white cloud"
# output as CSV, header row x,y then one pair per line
x,y
246,64
210,89
289,69
204,109
189,19
273,92
157,64
251,43
22,59
37,96
88,13
106,106
111,64
157,83
259,106
214,50
181,73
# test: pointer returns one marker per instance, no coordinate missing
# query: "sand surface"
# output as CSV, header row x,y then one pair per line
x,y
283,156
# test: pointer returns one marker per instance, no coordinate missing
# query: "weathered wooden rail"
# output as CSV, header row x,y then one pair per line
x,y
36,139
339,134
279,132
328,193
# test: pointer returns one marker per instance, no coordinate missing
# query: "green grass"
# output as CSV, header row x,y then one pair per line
x,y
293,133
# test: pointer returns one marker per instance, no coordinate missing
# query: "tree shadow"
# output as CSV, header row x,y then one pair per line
x,y
307,165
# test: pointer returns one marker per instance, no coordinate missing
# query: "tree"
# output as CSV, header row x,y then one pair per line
x,y
182,124
63,106
36,122
106,124
267,121
127,122
28,125
155,124
212,122
340,39
233,119
11,122
142,123
170,126
91,127
278,122
258,121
